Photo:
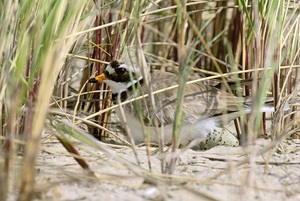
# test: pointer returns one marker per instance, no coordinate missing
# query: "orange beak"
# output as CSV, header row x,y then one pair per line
x,y
100,78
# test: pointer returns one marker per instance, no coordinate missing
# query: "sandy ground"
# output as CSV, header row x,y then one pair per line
x,y
215,174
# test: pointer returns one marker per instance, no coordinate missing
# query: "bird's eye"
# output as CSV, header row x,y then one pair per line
x,y
120,71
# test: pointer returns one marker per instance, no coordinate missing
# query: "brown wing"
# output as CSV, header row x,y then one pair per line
x,y
200,101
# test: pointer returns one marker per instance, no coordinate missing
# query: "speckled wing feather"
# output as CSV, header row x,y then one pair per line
x,y
201,101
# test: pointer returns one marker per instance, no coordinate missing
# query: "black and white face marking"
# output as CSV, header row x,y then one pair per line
x,y
120,77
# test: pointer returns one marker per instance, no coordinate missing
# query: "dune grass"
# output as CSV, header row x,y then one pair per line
x,y
49,50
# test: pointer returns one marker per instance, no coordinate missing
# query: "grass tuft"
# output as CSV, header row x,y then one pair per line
x,y
50,49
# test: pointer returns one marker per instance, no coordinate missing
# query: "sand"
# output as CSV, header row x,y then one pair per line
x,y
215,174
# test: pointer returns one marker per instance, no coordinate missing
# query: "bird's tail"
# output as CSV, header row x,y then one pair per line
x,y
225,119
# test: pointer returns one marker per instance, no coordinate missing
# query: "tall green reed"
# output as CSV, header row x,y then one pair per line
x,y
32,55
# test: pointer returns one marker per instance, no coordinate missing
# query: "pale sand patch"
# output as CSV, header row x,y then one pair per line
x,y
59,177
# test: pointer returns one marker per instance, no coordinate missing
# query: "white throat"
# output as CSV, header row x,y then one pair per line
x,y
119,87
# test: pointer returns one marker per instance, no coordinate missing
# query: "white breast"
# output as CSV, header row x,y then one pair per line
x,y
188,132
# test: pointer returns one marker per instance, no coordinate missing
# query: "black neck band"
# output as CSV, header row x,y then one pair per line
x,y
124,95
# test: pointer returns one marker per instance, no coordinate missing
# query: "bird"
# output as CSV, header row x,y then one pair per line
x,y
206,108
